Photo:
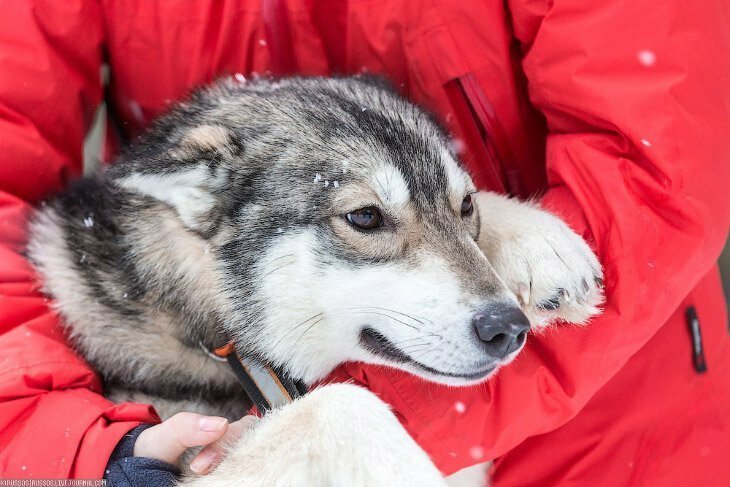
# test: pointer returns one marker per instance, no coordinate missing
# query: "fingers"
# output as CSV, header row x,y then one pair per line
x,y
211,455
169,439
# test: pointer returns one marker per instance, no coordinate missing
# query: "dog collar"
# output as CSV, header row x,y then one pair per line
x,y
266,386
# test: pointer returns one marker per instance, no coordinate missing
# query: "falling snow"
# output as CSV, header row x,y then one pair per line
x,y
646,143
363,109
460,407
89,221
82,259
137,112
457,146
125,295
646,57
262,42
240,78
476,452
23,467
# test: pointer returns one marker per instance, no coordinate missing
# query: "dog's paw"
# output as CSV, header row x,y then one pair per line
x,y
338,434
552,270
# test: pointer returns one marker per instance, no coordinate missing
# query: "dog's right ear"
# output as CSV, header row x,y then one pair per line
x,y
189,176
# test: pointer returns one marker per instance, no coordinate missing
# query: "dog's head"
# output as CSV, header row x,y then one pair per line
x,y
338,225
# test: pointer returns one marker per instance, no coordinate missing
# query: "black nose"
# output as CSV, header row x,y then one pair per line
x,y
502,329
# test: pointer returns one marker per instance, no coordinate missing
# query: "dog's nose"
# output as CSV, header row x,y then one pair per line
x,y
502,329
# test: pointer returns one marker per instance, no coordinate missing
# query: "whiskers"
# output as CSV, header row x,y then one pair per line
x,y
421,337
388,312
280,265
317,319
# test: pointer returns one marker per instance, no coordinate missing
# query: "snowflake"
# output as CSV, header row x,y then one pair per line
x,y
476,452
457,146
646,57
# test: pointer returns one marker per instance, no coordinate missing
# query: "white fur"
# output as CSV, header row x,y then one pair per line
x,y
537,255
337,435
185,191
391,187
458,180
394,299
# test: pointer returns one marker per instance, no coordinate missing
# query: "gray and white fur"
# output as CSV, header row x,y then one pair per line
x,y
232,219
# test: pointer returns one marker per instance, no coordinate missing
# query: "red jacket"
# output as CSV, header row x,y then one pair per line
x,y
617,113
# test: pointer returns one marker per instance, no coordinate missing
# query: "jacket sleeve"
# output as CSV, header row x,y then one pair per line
x,y
636,99
53,420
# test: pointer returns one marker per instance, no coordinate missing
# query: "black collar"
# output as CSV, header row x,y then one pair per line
x,y
266,386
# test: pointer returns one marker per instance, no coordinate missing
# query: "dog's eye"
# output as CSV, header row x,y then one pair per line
x,y
366,218
467,207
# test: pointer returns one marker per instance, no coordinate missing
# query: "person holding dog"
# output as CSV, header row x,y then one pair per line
x,y
615,115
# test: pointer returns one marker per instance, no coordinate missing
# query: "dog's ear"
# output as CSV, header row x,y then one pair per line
x,y
189,176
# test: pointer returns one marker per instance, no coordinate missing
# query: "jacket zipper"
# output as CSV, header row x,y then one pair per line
x,y
480,127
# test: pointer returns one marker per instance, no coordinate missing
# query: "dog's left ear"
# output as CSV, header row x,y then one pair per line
x,y
189,177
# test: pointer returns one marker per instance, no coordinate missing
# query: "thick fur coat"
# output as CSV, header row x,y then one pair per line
x,y
247,215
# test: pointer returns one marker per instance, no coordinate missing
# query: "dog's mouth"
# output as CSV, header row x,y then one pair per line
x,y
379,345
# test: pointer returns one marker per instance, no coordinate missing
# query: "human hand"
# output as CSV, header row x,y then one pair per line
x,y
168,440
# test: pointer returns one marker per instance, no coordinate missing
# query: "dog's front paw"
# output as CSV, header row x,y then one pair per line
x,y
338,434
552,270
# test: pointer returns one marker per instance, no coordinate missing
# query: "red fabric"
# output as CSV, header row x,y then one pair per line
x,y
617,112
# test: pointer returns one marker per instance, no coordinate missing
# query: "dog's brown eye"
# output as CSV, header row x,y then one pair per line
x,y
467,208
366,218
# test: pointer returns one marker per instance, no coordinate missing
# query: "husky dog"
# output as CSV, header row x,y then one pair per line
x,y
310,222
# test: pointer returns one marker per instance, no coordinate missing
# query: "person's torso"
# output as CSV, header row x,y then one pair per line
x,y
456,58
460,60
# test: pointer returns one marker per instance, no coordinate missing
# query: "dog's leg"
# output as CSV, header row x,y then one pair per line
x,y
550,268
335,435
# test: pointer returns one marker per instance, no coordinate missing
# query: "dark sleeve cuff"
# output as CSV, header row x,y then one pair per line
x,y
125,470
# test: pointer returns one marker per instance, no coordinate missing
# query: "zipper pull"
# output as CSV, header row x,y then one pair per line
x,y
698,353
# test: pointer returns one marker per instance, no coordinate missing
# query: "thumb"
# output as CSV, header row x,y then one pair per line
x,y
169,439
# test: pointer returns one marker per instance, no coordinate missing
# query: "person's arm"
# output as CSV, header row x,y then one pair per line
x,y
53,420
636,97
